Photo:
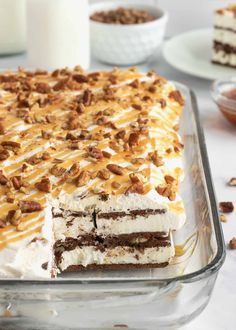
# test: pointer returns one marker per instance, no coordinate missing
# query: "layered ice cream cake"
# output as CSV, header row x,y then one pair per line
x,y
90,168
224,47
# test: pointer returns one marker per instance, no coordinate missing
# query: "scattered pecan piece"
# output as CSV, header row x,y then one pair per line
x,y
115,185
33,160
134,83
223,218
133,139
70,136
42,88
82,179
57,170
135,178
166,191
2,129
87,97
162,103
103,174
14,217
170,179
137,161
11,145
80,78
226,207
80,108
17,182
155,158
232,243
136,188
44,185
3,179
232,182
116,169
106,154
75,145
120,134
30,206
136,106
74,170
10,198
94,152
45,155
46,134
176,96
152,89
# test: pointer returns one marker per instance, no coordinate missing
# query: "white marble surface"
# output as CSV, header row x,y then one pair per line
x,y
220,135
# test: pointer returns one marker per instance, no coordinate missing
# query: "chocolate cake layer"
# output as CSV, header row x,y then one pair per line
x,y
76,268
224,28
131,213
228,49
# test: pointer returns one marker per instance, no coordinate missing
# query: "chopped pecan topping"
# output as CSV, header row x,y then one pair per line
x,y
33,160
136,106
82,179
176,96
80,78
167,191
94,152
232,243
155,158
115,185
30,206
75,145
136,188
44,185
103,174
74,170
223,218
226,207
57,170
10,198
3,179
60,85
106,154
152,89
80,108
162,103
170,179
42,88
2,129
135,178
11,145
50,119
116,169
46,134
70,136
120,134
87,97
45,155
133,139
14,217
232,182
137,161
102,120
17,182
134,83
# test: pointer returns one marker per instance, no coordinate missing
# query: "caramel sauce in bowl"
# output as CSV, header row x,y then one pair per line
x,y
224,95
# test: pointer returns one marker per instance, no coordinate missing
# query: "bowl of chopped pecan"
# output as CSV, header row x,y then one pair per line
x,y
126,32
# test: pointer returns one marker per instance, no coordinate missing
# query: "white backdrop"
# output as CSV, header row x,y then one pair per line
x,y
187,14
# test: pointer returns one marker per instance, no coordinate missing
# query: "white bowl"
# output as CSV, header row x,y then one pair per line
x,y
127,44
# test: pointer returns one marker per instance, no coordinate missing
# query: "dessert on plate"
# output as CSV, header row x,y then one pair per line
x,y
224,47
90,167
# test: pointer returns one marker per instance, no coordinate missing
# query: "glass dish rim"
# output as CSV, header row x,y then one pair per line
x,y
204,272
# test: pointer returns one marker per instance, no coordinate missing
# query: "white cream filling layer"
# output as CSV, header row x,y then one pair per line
x,y
225,37
223,58
226,21
88,255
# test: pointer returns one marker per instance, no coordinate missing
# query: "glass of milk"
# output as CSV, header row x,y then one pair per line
x,y
12,26
58,33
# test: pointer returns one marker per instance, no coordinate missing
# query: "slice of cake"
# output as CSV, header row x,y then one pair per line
x,y
90,171
224,48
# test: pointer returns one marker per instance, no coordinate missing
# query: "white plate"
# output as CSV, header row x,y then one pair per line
x,y
190,52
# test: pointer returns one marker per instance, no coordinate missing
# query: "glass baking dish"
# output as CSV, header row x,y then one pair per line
x,y
138,299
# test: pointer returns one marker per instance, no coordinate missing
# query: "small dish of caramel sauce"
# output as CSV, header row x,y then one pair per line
x,y
224,94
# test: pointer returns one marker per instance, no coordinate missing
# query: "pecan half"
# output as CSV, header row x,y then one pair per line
x,y
42,88
80,78
2,129
82,179
120,134
30,206
17,182
135,178
11,145
115,185
155,158
106,154
136,106
3,179
74,170
33,160
87,97
226,207
116,169
44,185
